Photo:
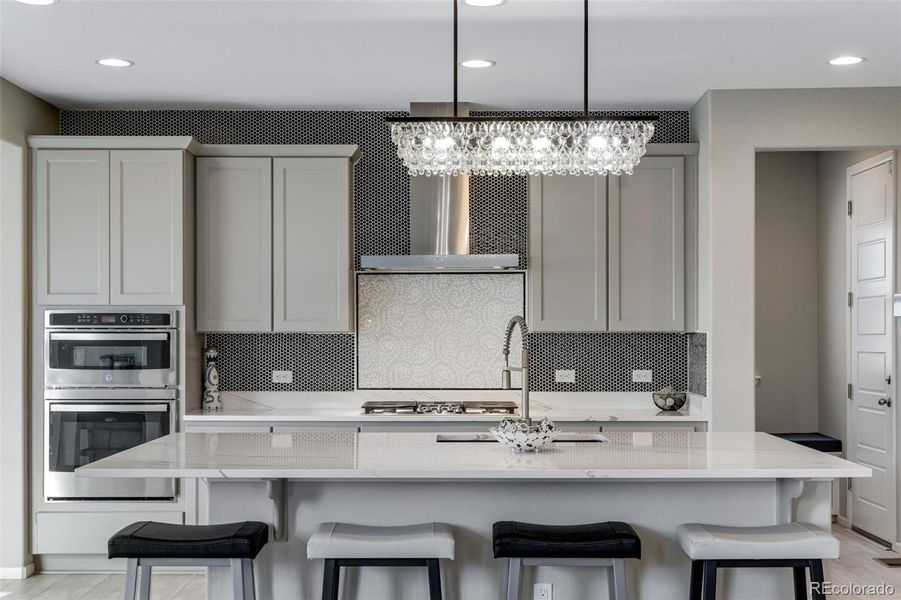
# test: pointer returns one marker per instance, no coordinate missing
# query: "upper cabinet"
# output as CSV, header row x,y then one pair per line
x,y
568,253
234,244
608,253
109,226
274,243
647,256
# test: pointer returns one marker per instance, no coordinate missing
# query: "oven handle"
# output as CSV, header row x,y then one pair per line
x,y
136,336
103,394
109,408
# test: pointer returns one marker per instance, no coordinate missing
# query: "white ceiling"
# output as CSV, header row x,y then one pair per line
x,y
382,54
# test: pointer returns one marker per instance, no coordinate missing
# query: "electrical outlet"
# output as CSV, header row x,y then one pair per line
x,y
565,376
642,376
543,591
283,377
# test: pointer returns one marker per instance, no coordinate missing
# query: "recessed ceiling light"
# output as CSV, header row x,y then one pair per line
x,y
477,63
481,3
36,2
841,61
115,62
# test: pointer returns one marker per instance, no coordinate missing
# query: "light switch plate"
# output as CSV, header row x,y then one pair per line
x,y
283,377
565,376
642,376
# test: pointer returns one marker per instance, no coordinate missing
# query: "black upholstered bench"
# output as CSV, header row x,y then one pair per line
x,y
592,545
148,544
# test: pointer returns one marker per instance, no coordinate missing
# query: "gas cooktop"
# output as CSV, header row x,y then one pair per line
x,y
476,407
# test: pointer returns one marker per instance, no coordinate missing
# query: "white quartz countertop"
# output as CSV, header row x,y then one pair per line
x,y
419,456
345,406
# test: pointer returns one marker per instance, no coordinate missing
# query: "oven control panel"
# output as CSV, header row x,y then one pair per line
x,y
109,319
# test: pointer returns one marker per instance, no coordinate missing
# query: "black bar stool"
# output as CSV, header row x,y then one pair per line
x,y
348,545
148,544
593,545
799,546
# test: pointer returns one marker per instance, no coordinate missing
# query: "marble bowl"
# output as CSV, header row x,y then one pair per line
x,y
525,436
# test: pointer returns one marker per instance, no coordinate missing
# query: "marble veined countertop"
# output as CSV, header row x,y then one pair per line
x,y
675,455
345,406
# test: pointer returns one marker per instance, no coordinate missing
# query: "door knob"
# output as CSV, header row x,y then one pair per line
x,y
884,402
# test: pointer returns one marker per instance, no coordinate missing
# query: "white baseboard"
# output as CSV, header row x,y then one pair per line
x,y
17,572
843,521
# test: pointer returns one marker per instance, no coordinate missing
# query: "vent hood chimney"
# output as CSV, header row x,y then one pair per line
x,y
439,219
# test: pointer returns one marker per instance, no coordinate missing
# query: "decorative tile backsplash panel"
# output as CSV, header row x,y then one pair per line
x,y
499,224
604,361
439,330
697,363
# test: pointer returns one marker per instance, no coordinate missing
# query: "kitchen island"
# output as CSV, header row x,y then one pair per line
x,y
652,480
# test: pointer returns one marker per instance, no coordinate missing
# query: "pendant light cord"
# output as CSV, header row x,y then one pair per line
x,y
456,113
585,61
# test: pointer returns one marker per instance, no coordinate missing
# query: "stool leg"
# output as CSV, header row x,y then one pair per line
x,y
145,582
249,591
131,578
709,580
800,577
237,578
514,568
816,580
434,578
619,579
697,574
331,574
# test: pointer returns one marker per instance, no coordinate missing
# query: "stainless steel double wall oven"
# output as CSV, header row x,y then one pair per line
x,y
109,384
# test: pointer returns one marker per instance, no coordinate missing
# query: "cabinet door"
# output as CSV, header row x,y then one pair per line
x,y
568,253
146,227
71,195
234,244
311,263
647,264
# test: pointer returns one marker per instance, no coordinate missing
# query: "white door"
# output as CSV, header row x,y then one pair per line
x,y
234,244
71,193
146,227
311,245
871,425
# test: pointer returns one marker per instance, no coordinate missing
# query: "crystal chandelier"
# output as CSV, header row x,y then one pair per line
x,y
581,145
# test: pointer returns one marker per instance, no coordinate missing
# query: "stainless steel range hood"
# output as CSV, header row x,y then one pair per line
x,y
439,220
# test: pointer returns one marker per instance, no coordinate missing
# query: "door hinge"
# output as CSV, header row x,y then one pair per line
x,y
850,299
850,483
888,379
850,208
850,391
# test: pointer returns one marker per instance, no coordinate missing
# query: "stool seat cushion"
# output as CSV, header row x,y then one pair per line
x,y
346,540
513,539
789,541
149,539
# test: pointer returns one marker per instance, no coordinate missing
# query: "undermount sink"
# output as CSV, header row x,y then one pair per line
x,y
487,437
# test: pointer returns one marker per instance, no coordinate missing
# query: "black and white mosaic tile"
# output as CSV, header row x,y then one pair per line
x,y
499,224
320,362
697,363
604,361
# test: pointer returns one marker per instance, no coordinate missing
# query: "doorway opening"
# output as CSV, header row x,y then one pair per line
x,y
826,358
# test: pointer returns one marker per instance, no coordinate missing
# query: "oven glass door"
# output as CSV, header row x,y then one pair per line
x,y
80,433
98,359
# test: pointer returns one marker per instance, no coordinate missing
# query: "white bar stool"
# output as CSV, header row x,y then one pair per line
x,y
348,545
800,546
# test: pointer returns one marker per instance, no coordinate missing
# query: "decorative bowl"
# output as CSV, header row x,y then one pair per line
x,y
669,399
525,436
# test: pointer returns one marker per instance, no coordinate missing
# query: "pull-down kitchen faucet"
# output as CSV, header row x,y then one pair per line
x,y
523,369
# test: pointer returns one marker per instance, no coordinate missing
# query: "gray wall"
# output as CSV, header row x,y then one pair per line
x,y
21,114
785,310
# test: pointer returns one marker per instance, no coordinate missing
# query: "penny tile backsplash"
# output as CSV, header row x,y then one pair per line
x,y
499,224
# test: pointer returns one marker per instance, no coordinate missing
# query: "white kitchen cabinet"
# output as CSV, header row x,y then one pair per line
x,y
568,253
647,258
311,245
72,226
234,244
147,227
